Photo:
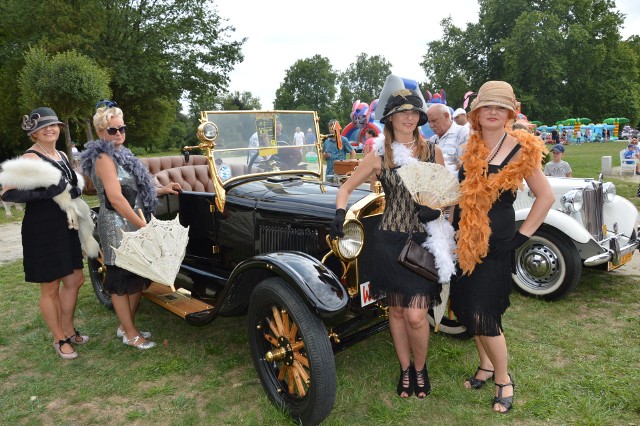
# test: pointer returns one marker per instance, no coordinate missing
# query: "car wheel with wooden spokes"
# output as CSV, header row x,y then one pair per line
x,y
291,352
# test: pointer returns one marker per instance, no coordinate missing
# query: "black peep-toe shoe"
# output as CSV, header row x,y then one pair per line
x,y
406,378
477,383
507,401
422,376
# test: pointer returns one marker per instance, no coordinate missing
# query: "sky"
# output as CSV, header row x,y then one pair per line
x,y
280,32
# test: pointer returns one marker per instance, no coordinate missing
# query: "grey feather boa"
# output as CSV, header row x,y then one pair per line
x,y
125,158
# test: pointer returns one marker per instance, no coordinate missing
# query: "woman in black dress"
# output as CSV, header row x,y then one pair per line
x,y
494,164
52,251
408,295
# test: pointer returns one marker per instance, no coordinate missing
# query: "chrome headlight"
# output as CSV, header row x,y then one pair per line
x,y
572,201
609,191
349,246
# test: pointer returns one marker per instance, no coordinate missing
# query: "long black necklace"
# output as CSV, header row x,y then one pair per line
x,y
496,149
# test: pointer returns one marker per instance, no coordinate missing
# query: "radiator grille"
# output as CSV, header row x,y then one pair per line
x,y
593,201
274,238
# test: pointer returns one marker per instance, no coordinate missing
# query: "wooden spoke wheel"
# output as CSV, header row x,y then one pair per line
x,y
291,352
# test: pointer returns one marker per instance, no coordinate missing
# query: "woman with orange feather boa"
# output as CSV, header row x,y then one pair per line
x,y
495,163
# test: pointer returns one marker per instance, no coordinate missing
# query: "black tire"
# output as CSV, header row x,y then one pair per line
x,y
308,400
98,271
450,327
548,266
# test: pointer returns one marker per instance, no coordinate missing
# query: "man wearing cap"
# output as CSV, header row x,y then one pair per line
x,y
449,136
631,153
460,117
557,167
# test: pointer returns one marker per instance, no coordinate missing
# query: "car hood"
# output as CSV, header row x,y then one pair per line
x,y
293,196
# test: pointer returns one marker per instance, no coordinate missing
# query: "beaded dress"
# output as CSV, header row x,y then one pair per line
x,y
110,227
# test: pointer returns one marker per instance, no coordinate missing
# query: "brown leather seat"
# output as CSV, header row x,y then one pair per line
x,y
191,178
158,164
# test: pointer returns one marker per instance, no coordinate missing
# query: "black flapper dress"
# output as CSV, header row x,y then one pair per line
x,y
402,287
50,249
479,300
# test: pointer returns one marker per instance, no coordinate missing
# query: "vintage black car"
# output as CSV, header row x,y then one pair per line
x,y
258,246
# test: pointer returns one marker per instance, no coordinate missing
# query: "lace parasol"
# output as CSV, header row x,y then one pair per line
x,y
155,251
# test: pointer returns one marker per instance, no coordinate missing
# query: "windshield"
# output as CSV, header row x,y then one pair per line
x,y
252,142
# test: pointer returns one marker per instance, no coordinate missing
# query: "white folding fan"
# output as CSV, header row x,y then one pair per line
x,y
430,184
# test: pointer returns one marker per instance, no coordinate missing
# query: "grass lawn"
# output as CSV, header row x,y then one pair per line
x,y
575,361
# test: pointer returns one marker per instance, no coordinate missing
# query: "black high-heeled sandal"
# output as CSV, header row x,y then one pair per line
x,y
507,401
422,376
406,377
477,383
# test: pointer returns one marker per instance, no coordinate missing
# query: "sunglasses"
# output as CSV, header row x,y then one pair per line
x,y
113,130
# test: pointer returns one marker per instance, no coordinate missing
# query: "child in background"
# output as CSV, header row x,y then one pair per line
x,y
557,167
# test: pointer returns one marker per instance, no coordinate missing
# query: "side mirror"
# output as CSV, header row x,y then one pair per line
x,y
186,156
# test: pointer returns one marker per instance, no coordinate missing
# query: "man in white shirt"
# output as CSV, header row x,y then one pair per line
x,y
460,117
298,137
448,135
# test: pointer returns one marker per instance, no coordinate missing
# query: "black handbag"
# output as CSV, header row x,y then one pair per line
x,y
419,260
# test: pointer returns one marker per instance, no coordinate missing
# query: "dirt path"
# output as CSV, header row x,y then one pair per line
x,y
10,242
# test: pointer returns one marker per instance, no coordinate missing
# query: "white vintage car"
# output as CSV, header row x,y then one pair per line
x,y
587,225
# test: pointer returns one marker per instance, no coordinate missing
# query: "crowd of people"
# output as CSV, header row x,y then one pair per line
x,y
480,147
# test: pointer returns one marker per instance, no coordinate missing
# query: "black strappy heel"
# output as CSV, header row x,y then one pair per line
x,y
422,376
507,401
478,383
406,376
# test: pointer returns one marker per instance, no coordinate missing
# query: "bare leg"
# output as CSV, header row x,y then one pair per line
x,y
134,302
398,328
485,363
496,350
50,308
68,299
417,329
122,307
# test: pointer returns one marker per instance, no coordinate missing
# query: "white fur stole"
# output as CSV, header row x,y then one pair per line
x,y
29,174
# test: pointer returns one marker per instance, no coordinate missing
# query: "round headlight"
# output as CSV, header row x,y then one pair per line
x,y
572,201
609,191
208,131
350,245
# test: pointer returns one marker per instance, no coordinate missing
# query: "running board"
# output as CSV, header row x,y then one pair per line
x,y
179,302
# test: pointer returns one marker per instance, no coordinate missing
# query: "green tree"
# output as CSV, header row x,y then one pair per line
x,y
564,58
362,80
239,101
309,85
157,54
67,82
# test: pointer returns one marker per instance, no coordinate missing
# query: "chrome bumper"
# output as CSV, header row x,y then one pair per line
x,y
613,254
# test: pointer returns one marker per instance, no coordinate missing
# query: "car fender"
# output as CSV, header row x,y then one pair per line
x,y
316,284
562,223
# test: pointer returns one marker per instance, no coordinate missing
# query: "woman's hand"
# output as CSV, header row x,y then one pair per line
x,y
172,188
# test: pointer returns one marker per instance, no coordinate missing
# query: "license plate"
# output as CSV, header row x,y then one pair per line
x,y
626,258
365,294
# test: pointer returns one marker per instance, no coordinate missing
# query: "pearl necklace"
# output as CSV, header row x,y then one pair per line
x,y
408,144
496,149
46,152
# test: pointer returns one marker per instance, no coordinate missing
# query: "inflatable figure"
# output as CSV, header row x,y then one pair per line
x,y
362,119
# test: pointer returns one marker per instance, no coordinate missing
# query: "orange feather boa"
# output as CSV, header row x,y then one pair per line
x,y
480,190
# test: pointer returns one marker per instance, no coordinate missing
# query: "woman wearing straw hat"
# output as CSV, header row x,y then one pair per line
x,y
408,295
495,163
52,249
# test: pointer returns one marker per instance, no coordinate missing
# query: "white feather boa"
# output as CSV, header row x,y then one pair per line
x,y
29,174
442,244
